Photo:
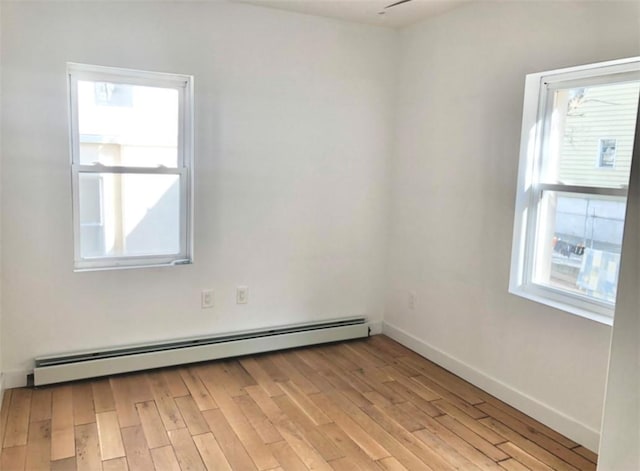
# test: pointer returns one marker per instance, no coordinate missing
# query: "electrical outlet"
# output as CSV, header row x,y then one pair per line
x,y
411,300
206,298
242,295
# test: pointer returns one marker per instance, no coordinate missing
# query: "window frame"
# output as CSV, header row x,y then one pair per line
x,y
184,166
537,110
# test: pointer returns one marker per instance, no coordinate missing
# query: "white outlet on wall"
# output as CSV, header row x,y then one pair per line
x,y
242,295
206,298
411,300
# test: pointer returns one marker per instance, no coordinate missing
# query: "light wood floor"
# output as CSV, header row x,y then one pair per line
x,y
367,404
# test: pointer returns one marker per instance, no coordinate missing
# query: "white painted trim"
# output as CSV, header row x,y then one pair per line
x,y
1,388
540,411
16,378
376,327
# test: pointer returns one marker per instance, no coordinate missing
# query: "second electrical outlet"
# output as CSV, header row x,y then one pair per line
x,y
242,295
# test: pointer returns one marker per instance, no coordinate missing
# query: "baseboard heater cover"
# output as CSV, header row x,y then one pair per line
x,y
81,365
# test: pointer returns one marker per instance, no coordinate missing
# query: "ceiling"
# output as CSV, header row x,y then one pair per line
x,y
365,11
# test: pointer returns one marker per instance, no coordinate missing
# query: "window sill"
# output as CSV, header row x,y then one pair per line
x,y
132,267
563,306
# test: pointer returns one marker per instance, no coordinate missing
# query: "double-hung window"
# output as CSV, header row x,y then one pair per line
x,y
131,161
576,146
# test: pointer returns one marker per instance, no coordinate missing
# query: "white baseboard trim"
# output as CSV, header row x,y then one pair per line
x,y
575,430
16,378
376,327
1,388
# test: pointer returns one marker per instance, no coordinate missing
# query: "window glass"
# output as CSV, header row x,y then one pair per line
x,y
128,125
587,122
579,243
140,214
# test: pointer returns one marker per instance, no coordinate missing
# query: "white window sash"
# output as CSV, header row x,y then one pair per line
x,y
183,84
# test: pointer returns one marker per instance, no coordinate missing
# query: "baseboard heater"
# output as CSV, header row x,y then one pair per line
x,y
61,368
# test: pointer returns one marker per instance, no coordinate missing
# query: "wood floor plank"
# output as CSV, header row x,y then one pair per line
x,y
40,405
541,439
307,406
109,435
472,438
4,415
175,383
17,427
450,397
259,421
63,443
430,459
292,435
361,356
295,376
231,446
512,465
88,457
38,453
527,445
452,411
308,372
454,384
102,396
166,404
13,458
261,376
588,454
152,426
323,445
349,448
252,442
136,449
123,397
522,417
359,432
306,452
164,459
391,464
408,393
83,409
211,453
336,356
115,464
342,386
236,377
523,457
197,390
186,451
66,464
191,415
406,419
286,456
461,446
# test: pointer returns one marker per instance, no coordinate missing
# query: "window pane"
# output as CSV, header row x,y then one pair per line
x,y
129,214
590,139
579,240
127,125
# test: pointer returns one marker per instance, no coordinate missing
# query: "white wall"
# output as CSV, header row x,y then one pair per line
x,y
1,366
292,137
453,183
620,444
